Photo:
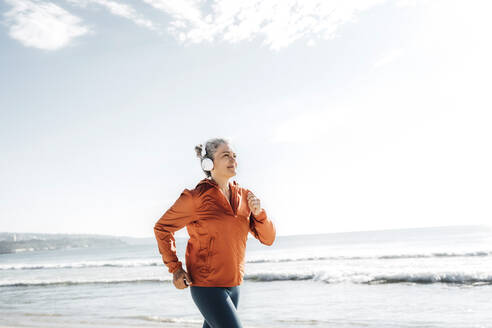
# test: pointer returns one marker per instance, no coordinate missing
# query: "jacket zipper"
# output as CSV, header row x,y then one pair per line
x,y
229,203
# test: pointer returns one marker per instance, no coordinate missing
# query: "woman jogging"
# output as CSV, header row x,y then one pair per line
x,y
218,215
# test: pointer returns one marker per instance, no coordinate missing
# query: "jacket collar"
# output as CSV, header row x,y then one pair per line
x,y
212,182
234,187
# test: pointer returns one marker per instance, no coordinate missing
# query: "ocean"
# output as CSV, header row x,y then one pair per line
x,y
428,277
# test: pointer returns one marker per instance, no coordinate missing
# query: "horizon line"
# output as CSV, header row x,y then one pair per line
x,y
279,235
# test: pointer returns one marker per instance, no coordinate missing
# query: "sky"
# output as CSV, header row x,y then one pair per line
x,y
345,115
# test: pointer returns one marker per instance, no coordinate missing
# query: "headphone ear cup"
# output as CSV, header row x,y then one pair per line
x,y
207,164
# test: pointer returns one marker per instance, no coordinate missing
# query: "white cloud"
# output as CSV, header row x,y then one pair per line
x,y
388,57
119,9
42,25
279,22
184,10
411,3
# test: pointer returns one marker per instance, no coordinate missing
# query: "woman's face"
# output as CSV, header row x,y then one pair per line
x,y
225,161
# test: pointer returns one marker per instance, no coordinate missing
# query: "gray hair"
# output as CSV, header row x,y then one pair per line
x,y
210,149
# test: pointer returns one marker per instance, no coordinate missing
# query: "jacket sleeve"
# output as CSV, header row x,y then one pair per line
x,y
175,218
262,228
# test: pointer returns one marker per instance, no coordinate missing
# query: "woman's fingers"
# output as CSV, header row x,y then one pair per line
x,y
181,283
253,202
176,281
179,278
252,198
188,279
250,195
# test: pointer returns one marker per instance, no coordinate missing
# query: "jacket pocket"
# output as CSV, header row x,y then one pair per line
x,y
210,250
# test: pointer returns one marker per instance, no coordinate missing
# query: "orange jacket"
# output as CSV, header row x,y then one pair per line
x,y
218,233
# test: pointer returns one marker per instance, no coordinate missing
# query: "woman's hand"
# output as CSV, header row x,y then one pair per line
x,y
254,204
181,279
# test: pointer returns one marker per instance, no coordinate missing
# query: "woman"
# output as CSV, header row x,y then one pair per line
x,y
218,215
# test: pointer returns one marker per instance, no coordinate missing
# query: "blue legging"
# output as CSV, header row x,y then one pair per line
x,y
217,305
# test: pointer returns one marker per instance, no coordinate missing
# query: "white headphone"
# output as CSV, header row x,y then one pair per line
x,y
207,163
